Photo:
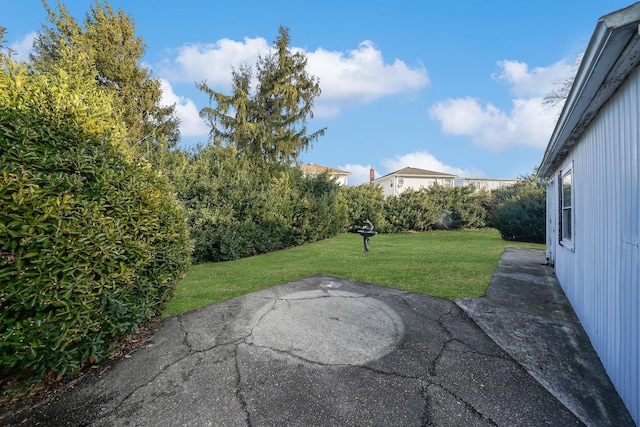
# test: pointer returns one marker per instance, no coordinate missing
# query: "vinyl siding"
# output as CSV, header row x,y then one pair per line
x,y
600,274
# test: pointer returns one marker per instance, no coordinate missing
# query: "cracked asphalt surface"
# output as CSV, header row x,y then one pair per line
x,y
327,351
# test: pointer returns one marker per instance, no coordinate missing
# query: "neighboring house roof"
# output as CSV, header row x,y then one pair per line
x,y
417,173
310,168
613,52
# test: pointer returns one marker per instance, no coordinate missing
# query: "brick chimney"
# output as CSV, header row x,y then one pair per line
x,y
372,175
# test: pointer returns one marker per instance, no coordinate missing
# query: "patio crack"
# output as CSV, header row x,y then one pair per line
x,y
238,392
468,406
190,352
185,340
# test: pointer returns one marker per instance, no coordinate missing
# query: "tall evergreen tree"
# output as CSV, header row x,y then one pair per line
x,y
270,124
109,38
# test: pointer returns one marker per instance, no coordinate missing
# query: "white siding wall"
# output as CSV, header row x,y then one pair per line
x,y
484,183
341,179
601,275
396,185
387,189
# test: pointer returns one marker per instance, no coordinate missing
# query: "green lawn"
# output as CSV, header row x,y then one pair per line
x,y
448,264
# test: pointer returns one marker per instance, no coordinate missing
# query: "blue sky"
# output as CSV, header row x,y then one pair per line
x,y
452,86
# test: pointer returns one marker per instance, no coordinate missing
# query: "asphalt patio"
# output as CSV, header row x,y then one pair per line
x,y
327,351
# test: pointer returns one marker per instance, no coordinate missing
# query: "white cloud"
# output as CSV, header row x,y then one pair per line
x,y
362,76
463,116
359,173
23,47
536,82
528,123
191,125
357,77
213,62
425,160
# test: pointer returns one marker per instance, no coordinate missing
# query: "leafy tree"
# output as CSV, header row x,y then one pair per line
x,y
108,38
519,211
269,124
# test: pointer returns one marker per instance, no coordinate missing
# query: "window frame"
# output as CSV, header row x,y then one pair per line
x,y
566,201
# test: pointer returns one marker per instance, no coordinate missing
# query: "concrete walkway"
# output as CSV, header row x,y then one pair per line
x,y
526,313
326,351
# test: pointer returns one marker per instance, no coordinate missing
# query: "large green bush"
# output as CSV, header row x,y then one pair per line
x,y
518,211
91,240
319,210
436,208
238,240
459,207
238,207
365,202
412,210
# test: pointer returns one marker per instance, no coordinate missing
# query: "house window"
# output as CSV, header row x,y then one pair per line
x,y
566,218
400,182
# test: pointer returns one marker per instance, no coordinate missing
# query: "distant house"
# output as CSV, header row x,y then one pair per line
x,y
340,176
592,166
488,184
399,181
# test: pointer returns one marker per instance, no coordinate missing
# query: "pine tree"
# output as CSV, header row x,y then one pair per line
x,y
270,124
109,38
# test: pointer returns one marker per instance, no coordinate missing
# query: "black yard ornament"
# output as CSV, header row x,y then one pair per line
x,y
367,231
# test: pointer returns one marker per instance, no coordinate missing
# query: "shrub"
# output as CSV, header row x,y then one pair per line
x,y
438,207
365,202
412,210
238,240
91,240
239,207
519,211
319,210
459,207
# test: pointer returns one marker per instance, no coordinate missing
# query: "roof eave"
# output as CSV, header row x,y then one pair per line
x,y
613,52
